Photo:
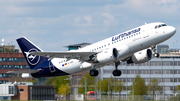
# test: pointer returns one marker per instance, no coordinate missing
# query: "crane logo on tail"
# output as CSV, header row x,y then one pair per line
x,y
32,59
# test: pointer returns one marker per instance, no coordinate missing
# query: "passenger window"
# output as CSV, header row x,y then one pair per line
x,y
129,36
104,45
139,32
108,43
112,42
134,34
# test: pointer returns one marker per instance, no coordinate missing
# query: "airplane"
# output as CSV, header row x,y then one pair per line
x,y
134,46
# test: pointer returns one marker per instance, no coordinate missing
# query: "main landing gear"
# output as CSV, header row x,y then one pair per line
x,y
116,72
93,71
153,48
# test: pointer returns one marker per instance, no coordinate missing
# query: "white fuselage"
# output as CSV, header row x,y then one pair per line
x,y
127,43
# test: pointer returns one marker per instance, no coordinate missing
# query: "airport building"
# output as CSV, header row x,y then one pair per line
x,y
11,59
26,91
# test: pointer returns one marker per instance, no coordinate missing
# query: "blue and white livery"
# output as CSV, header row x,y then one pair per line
x,y
132,46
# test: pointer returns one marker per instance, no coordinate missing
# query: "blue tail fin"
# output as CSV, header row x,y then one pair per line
x,y
27,47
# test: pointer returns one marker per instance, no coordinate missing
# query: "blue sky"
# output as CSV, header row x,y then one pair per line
x,y
52,24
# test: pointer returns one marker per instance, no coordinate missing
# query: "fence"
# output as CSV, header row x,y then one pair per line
x,y
81,97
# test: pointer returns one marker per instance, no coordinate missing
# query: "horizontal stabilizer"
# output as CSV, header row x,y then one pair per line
x,y
70,55
25,71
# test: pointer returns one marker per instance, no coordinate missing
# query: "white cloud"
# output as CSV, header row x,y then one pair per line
x,y
11,10
46,22
12,31
166,1
107,15
88,18
153,7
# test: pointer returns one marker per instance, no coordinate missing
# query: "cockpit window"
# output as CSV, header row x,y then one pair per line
x,y
155,27
164,25
159,26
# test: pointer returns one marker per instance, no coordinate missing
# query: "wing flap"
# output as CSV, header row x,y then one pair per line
x,y
24,71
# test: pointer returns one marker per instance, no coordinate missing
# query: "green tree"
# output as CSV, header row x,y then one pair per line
x,y
58,81
153,86
139,86
103,85
90,84
119,86
64,90
111,84
178,88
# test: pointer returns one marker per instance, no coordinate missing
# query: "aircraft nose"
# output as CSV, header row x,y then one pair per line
x,y
172,30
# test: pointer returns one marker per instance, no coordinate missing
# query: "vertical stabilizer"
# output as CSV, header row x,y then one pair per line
x,y
27,47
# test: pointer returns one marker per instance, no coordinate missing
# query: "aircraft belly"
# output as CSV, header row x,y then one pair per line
x,y
71,67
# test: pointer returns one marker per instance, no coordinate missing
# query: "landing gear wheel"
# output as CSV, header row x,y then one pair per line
x,y
116,73
93,72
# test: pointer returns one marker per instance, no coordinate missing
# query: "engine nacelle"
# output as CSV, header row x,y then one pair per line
x,y
107,56
141,56
26,75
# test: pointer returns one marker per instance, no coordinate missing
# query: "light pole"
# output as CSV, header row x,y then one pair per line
x,y
85,86
100,90
78,85
108,90
133,91
71,83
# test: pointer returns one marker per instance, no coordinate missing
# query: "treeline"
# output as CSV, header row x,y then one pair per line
x,y
108,86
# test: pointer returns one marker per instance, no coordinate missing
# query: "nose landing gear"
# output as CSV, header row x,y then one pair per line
x,y
153,48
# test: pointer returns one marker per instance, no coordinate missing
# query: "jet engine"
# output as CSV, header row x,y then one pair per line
x,y
140,57
106,56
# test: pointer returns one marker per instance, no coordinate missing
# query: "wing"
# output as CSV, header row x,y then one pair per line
x,y
24,71
84,56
